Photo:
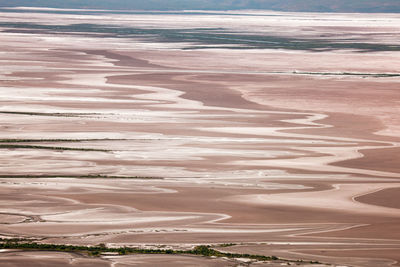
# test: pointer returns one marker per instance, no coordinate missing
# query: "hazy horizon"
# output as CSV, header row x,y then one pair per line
x,y
368,6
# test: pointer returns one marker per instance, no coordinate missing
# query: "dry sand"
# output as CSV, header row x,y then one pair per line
x,y
301,166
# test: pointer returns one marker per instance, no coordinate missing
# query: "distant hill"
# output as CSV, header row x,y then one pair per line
x,y
281,5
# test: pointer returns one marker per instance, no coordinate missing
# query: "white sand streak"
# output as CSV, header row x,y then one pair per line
x,y
341,198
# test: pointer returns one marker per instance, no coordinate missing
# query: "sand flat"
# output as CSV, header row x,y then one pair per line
x,y
283,152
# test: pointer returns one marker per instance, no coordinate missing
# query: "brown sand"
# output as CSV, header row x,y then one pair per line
x,y
36,259
284,164
386,198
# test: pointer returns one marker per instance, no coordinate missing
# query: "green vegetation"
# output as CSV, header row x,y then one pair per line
x,y
44,140
375,75
10,146
48,114
89,176
59,140
10,140
101,248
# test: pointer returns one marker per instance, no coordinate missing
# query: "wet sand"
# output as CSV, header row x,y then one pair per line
x,y
386,198
243,149
12,258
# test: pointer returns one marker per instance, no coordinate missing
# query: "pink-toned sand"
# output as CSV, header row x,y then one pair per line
x,y
287,164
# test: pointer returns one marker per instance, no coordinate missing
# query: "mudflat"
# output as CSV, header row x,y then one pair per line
x,y
250,134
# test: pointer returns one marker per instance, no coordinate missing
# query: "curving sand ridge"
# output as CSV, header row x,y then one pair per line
x,y
344,196
216,146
